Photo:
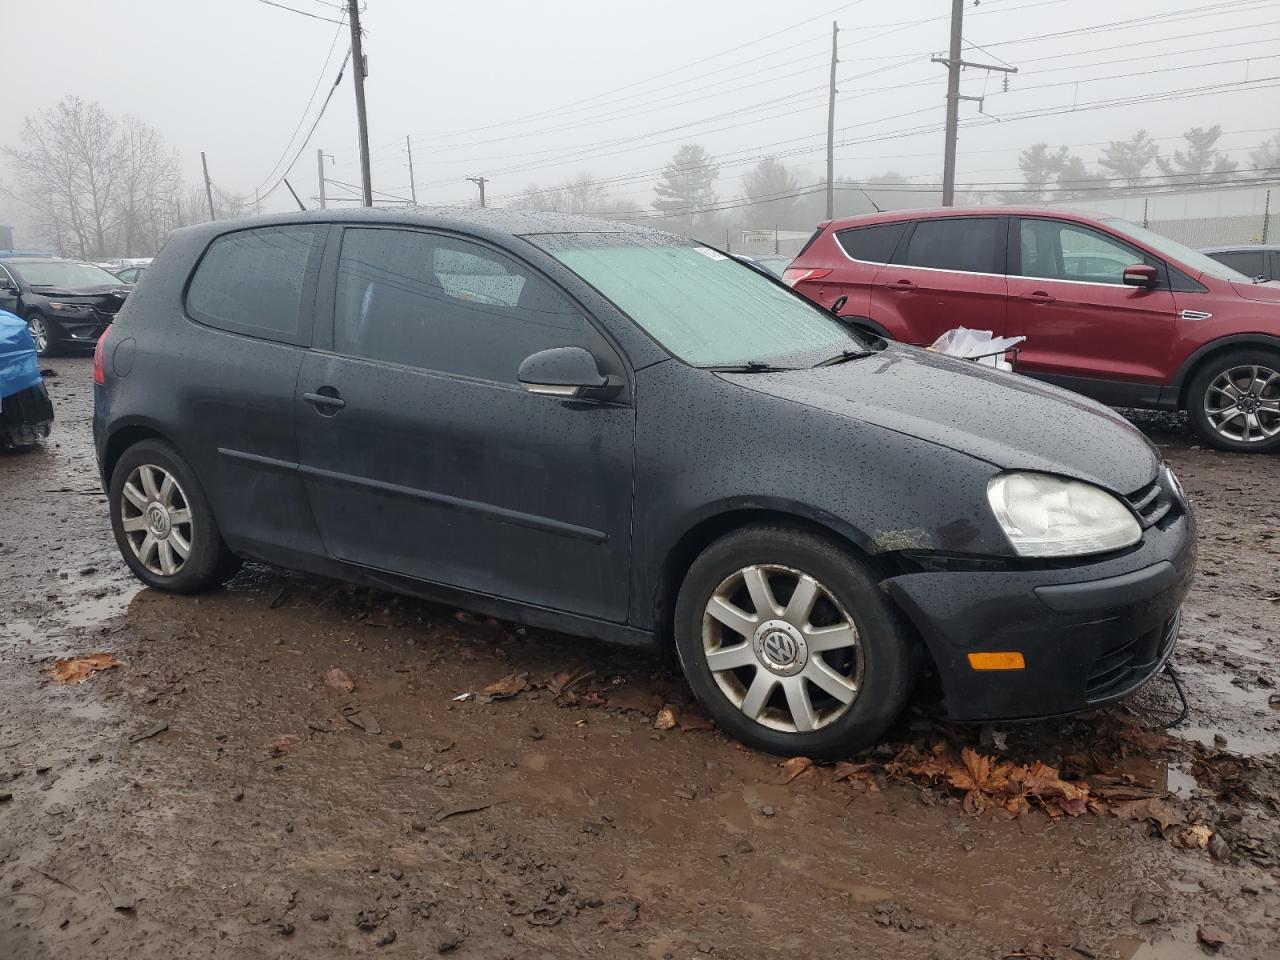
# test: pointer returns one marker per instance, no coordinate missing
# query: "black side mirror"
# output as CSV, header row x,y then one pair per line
x,y
838,304
567,372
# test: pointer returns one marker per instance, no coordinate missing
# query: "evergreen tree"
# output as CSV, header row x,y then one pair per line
x,y
685,190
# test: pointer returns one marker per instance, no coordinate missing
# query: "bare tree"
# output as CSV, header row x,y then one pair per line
x,y
70,169
149,170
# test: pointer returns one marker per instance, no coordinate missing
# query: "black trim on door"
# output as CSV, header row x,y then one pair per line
x,y
502,514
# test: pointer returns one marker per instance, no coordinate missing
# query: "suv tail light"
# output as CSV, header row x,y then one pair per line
x,y
99,376
793,275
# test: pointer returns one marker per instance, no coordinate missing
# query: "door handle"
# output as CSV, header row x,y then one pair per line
x,y
325,403
1038,297
902,286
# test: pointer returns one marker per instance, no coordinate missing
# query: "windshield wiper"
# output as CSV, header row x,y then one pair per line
x,y
751,366
843,356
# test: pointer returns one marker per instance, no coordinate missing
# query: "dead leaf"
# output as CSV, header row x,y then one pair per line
x,y
667,717
566,680
1159,812
692,721
795,767
80,669
1194,837
504,688
1210,935
339,680
281,744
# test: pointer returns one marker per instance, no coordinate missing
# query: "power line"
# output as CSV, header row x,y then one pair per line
x,y
305,140
305,110
304,13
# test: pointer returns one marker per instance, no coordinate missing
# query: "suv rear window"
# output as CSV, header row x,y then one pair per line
x,y
251,282
874,244
968,244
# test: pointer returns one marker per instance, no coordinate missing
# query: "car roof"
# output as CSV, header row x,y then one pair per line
x,y
929,213
37,258
494,223
1242,248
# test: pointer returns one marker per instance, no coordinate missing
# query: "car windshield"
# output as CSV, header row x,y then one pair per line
x,y
1193,259
704,307
65,274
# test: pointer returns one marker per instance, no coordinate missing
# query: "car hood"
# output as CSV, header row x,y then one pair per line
x,y
1007,420
1268,292
106,294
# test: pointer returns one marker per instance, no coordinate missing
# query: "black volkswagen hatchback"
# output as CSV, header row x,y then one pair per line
x,y
619,433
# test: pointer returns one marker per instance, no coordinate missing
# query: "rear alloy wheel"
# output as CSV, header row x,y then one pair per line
x,y
790,646
1234,401
163,524
156,520
40,334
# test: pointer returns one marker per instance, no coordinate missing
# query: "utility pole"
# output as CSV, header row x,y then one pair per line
x,y
257,203
954,64
480,182
208,187
359,73
320,168
831,124
413,188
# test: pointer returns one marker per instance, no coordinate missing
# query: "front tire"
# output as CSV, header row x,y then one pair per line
x,y
789,644
1233,401
44,333
163,523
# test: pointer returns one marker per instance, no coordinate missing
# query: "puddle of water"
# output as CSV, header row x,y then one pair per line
x,y
1241,743
1179,781
1137,948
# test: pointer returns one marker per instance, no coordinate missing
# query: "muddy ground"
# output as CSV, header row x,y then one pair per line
x,y
214,796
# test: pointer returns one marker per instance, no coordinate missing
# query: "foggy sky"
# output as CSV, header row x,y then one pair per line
x,y
232,77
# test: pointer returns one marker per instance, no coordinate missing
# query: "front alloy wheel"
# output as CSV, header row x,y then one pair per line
x,y
790,645
1243,403
1233,400
39,333
793,666
156,520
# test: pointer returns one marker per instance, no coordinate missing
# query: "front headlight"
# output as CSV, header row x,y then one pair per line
x,y
63,307
1047,516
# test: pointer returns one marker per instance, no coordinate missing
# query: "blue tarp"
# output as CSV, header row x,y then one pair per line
x,y
18,369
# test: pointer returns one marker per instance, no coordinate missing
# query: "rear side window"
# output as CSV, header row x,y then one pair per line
x,y
1252,263
252,282
873,244
445,304
968,244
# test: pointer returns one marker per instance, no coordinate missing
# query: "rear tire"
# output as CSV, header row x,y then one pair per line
x,y
1233,401
790,646
163,523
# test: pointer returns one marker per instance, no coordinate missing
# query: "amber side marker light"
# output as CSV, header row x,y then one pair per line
x,y
1007,660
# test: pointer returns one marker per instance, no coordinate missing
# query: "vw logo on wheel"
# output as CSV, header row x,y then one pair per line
x,y
780,648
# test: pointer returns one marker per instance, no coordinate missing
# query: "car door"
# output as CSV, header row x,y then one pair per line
x,y
946,273
422,454
1085,329
224,384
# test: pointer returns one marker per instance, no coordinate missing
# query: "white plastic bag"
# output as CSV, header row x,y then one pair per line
x,y
979,345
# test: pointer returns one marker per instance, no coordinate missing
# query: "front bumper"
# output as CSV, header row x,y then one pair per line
x,y
1089,635
77,331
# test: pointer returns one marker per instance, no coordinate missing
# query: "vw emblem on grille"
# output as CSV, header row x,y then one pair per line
x,y
780,648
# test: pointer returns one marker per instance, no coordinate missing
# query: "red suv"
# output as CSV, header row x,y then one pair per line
x,y
1109,309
